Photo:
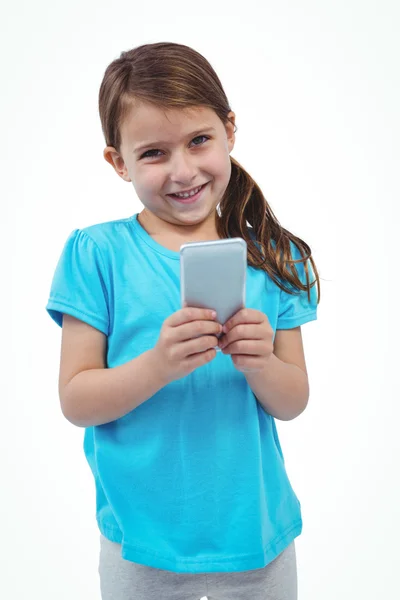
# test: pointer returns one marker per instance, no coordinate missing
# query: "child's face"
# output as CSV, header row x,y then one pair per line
x,y
167,152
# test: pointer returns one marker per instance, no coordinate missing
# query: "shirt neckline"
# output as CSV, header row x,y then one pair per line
x,y
150,241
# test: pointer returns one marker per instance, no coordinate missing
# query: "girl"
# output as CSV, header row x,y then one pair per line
x,y
192,495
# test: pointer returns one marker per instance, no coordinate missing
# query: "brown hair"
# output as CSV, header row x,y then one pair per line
x,y
170,75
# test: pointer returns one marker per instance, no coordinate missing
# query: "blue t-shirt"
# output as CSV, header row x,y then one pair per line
x,y
193,479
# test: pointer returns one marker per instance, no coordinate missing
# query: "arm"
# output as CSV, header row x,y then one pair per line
x,y
282,386
103,395
92,394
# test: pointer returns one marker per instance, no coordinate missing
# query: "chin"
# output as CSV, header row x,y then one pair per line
x,y
195,217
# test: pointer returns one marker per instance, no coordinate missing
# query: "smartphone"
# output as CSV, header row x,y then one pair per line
x,y
213,275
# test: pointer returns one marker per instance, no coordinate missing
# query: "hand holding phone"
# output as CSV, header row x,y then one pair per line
x,y
178,351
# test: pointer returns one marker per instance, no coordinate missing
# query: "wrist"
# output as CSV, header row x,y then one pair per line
x,y
157,369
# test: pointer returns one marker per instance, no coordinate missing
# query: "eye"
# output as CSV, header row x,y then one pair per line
x,y
147,155
200,136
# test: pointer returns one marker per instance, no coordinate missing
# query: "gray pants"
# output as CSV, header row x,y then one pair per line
x,y
121,579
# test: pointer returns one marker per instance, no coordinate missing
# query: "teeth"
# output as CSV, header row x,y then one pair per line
x,y
187,195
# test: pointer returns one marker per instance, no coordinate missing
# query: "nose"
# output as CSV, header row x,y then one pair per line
x,y
183,170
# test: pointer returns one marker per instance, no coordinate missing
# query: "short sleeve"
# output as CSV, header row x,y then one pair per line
x,y
295,310
79,283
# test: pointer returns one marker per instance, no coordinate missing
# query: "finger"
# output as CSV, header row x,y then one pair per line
x,y
190,313
243,331
247,363
254,347
245,315
191,330
197,346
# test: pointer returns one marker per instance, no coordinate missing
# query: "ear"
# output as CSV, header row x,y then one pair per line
x,y
115,159
230,130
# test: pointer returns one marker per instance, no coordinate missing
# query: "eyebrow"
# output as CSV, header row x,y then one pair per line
x,y
161,142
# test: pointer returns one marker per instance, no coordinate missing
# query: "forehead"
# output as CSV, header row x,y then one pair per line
x,y
146,122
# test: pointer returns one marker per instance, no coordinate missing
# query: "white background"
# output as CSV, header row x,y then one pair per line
x,y
316,93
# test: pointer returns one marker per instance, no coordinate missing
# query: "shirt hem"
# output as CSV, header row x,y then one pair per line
x,y
233,563
56,307
292,322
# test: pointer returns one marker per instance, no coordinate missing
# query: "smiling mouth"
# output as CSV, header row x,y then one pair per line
x,y
190,199
198,188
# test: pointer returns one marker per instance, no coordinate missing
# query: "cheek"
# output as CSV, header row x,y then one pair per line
x,y
147,182
219,164
222,168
